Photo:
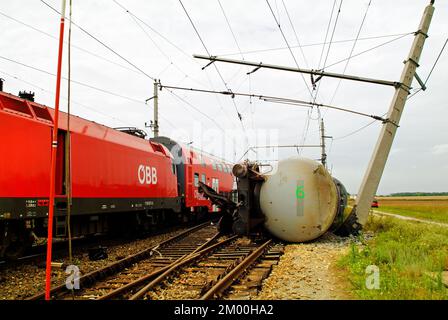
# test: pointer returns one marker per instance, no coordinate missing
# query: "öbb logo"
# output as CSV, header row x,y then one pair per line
x,y
147,175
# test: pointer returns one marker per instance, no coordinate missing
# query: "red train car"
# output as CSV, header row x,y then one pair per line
x,y
193,166
112,172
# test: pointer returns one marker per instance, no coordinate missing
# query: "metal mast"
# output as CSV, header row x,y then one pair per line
x,y
54,147
155,127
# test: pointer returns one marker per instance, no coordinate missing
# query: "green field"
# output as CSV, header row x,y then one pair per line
x,y
411,258
433,208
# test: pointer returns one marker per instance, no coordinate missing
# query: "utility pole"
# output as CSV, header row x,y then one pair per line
x,y
154,124
156,109
322,143
380,154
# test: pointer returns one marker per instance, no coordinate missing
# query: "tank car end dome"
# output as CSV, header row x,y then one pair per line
x,y
299,200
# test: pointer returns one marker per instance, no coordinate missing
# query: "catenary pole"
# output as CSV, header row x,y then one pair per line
x,y
359,214
54,146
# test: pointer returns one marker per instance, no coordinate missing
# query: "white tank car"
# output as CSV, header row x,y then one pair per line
x,y
299,200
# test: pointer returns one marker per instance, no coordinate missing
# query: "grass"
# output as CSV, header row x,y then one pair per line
x,y
411,258
430,208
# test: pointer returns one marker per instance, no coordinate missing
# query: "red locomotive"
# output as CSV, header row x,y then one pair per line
x,y
120,181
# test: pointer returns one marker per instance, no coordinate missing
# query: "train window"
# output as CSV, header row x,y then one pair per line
x,y
196,179
203,161
219,167
214,166
215,184
204,178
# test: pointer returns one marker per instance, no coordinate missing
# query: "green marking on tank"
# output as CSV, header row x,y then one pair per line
x,y
300,193
300,198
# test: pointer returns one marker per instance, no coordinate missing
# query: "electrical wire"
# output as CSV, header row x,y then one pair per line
x,y
216,68
73,81
289,47
368,50
351,51
329,47
73,46
326,34
314,44
163,53
239,49
432,69
308,119
171,43
102,43
193,107
357,130
274,99
230,28
296,35
79,103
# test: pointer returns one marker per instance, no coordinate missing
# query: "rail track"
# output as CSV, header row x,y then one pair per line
x,y
37,253
198,263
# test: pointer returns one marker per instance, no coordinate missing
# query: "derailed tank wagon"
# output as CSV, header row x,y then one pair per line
x,y
298,202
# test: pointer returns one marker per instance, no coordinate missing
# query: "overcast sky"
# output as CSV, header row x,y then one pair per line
x,y
419,157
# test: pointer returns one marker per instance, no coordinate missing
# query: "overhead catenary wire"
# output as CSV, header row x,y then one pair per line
x,y
195,108
239,49
289,47
230,28
315,44
164,54
351,50
110,49
295,34
329,48
326,34
216,68
297,65
102,43
274,99
73,81
74,101
139,20
432,69
355,131
368,50
316,92
72,45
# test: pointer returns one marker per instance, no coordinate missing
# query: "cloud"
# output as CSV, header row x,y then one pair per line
x,y
440,149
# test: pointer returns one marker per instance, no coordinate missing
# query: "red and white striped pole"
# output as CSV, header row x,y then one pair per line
x,y
54,146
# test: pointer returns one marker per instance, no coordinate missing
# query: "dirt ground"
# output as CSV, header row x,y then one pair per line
x,y
308,271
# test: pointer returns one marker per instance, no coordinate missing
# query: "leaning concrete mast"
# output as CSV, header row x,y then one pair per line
x,y
380,154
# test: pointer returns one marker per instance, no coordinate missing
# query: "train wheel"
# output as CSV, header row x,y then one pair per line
x,y
16,245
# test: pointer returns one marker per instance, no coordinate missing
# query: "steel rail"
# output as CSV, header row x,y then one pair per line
x,y
120,264
177,264
236,272
153,274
